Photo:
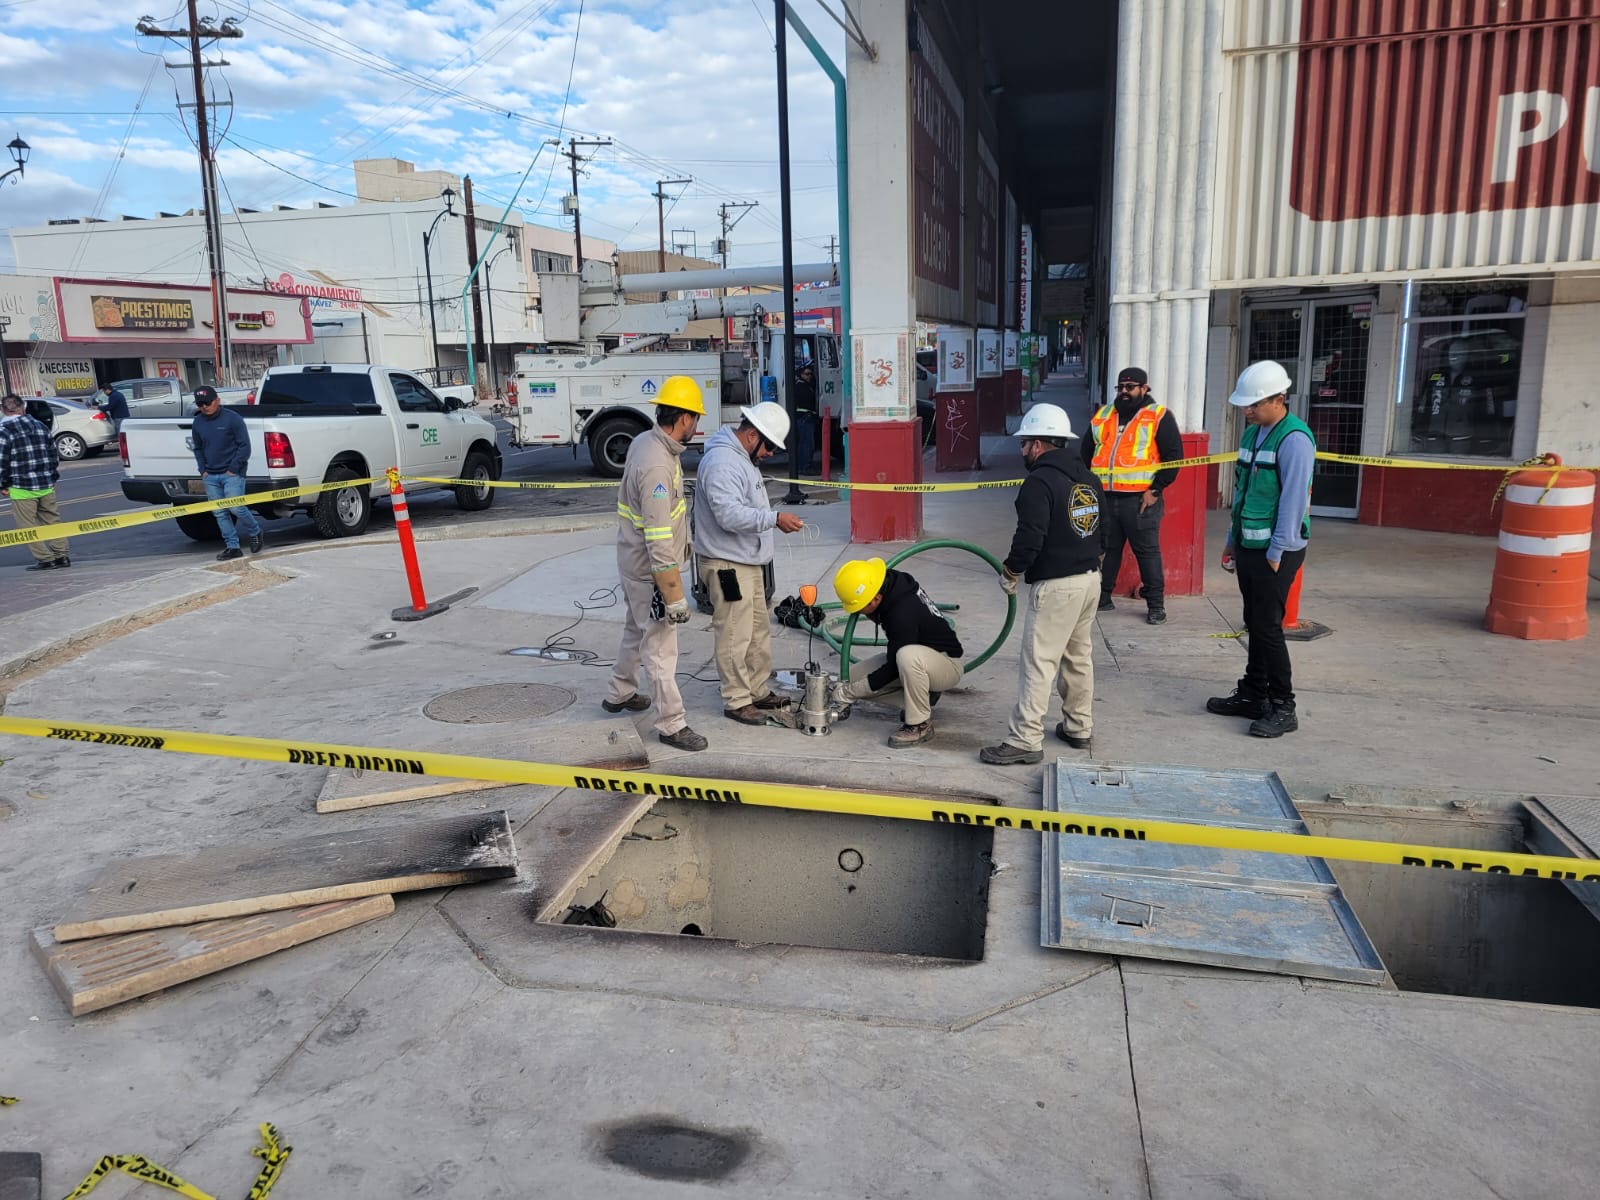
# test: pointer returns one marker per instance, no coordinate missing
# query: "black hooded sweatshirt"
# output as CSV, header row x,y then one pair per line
x,y
909,618
1058,519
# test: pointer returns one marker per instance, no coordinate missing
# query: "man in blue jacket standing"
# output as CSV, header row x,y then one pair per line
x,y
116,406
222,452
733,524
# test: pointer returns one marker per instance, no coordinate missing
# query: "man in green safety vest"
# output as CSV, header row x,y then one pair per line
x,y
1267,543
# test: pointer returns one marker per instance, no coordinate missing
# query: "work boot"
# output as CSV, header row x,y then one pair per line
x,y
1105,604
771,701
634,703
1280,719
1075,740
748,715
255,542
1007,755
48,564
911,735
63,561
1237,705
230,552
1156,616
684,739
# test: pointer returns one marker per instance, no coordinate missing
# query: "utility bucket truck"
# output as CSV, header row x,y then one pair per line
x,y
595,385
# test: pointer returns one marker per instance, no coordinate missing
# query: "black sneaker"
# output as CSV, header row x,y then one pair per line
x,y
684,739
255,542
1105,604
1279,720
63,562
634,703
1156,616
230,552
1007,755
1237,705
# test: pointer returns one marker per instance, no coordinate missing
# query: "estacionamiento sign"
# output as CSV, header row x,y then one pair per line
x,y
139,312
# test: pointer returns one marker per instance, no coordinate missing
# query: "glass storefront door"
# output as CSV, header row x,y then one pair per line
x,y
1322,344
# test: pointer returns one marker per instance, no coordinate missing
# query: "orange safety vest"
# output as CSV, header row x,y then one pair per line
x,y
1126,461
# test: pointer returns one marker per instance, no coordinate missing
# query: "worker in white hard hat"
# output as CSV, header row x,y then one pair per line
x,y
652,549
1056,549
733,524
1267,543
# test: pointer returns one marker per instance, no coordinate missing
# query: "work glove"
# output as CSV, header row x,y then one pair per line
x,y
844,694
1008,583
678,611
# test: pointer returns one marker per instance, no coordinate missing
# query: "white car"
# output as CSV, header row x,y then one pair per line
x,y
79,430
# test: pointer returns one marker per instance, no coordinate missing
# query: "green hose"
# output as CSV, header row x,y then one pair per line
x,y
844,643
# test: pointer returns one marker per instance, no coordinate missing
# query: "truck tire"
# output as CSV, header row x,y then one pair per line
x,y
478,467
608,445
202,527
344,513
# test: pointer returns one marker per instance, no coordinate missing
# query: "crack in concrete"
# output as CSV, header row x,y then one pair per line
x,y
1133,1079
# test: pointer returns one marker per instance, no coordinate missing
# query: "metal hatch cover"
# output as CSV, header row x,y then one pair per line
x,y
1226,908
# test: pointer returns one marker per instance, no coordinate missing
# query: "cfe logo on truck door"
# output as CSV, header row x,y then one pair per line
x,y
430,436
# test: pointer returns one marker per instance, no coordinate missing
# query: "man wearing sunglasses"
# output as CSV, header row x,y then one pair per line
x,y
733,524
222,452
1128,441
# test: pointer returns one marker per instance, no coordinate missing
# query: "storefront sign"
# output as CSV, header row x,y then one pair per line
x,y
321,295
141,312
936,154
68,376
1025,279
986,281
168,369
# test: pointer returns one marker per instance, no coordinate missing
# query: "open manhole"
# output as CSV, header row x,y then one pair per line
x,y
765,875
493,703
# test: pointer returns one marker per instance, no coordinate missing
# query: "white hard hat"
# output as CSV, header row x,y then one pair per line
x,y
1258,381
771,420
1046,421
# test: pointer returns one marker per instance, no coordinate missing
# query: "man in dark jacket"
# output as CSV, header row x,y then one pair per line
x,y
1057,549
222,452
116,406
922,655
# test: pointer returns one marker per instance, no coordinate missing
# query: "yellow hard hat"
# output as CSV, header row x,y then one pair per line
x,y
679,391
858,581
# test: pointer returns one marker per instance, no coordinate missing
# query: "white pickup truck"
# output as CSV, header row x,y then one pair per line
x,y
320,424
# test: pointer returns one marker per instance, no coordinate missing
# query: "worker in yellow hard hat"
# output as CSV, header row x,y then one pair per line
x,y
922,655
652,549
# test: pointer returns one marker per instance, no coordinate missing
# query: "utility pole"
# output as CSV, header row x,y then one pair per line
x,y
477,298
222,344
833,249
577,218
661,223
722,212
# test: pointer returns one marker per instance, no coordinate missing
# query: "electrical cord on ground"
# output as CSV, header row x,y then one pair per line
x,y
599,600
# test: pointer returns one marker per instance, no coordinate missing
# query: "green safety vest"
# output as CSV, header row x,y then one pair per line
x,y
1255,485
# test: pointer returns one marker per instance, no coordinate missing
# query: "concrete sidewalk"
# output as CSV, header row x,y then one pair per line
x,y
459,1048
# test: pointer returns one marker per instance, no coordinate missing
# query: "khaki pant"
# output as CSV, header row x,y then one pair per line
x,y
922,670
1056,646
743,632
653,645
43,511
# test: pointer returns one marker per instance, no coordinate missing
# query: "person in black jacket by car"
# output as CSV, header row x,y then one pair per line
x,y
922,655
1057,549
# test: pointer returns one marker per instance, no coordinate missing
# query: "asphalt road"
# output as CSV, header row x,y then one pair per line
x,y
91,487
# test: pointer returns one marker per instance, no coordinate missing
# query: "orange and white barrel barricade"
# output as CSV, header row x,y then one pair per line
x,y
1541,572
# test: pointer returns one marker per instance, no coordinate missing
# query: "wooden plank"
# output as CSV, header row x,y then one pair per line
x,y
20,1174
180,889
612,744
98,972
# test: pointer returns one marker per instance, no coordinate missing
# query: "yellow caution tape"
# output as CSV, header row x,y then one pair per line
x,y
8,1101
46,533
142,1169
806,799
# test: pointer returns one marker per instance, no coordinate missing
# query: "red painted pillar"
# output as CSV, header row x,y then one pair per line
x,y
1011,381
1183,530
886,452
991,404
955,446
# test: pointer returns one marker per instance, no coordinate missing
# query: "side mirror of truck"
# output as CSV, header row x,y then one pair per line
x,y
451,403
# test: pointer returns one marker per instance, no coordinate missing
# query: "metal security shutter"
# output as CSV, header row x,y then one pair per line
x,y
1261,912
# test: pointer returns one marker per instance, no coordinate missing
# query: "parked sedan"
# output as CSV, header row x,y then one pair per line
x,y
79,430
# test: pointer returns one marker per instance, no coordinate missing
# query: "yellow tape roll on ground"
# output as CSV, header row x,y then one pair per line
x,y
805,799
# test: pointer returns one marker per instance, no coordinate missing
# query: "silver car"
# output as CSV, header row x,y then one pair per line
x,y
79,430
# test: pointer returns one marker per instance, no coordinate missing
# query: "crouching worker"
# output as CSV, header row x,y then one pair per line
x,y
922,654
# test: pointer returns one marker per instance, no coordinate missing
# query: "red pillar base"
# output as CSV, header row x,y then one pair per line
x,y
991,405
1183,530
1011,382
956,432
886,452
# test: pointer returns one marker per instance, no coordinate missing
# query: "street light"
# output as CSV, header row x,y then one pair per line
x,y
488,288
19,154
5,366
449,195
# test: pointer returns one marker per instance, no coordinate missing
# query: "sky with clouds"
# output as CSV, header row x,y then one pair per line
x,y
685,88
